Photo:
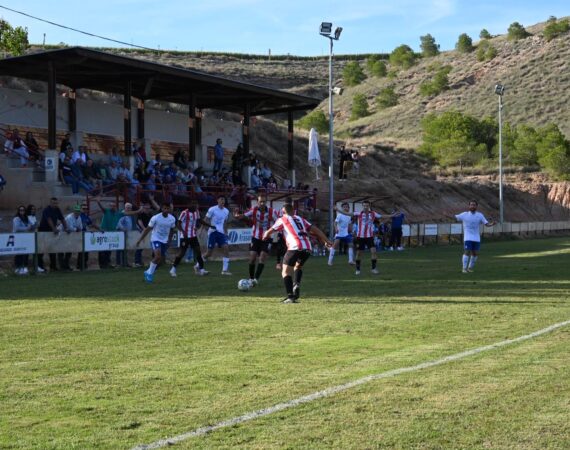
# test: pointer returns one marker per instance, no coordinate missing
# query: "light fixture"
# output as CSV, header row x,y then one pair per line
x,y
499,89
337,33
326,28
337,90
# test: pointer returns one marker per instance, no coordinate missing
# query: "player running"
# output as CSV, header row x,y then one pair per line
x,y
262,218
343,225
472,219
187,224
217,220
296,231
162,226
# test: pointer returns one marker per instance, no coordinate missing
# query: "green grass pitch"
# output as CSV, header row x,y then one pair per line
x,y
105,361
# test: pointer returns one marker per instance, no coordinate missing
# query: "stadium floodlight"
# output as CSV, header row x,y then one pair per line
x,y
500,90
326,29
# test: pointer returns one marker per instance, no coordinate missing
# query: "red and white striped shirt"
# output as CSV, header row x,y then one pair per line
x,y
188,221
366,223
295,229
262,220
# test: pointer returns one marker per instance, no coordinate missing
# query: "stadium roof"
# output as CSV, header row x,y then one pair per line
x,y
82,68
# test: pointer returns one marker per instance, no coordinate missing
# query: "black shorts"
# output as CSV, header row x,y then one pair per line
x,y
258,246
293,257
189,242
364,243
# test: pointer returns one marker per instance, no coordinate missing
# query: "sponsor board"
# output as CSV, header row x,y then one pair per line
x,y
239,236
456,228
405,230
430,229
17,244
110,240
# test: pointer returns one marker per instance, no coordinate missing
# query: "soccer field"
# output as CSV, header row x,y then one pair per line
x,y
103,360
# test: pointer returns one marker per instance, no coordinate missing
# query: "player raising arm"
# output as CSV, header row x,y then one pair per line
x,y
471,219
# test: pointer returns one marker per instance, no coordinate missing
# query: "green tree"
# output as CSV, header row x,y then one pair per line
x,y
386,98
13,40
428,46
523,151
553,151
353,74
484,34
437,84
486,51
315,119
555,28
464,44
359,107
516,31
371,60
379,69
403,57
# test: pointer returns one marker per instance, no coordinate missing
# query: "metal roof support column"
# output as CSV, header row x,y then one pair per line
x,y
245,129
72,110
290,153
127,117
140,119
192,128
51,107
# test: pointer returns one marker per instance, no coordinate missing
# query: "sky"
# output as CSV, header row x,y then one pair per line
x,y
276,27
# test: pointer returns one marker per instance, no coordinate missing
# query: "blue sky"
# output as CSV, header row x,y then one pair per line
x,y
286,26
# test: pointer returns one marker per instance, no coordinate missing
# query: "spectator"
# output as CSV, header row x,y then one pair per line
x,y
344,156
91,174
33,147
266,173
65,143
125,224
31,213
114,157
86,224
271,184
74,224
2,182
108,223
79,154
170,171
156,161
180,159
143,219
355,157
139,153
66,175
21,224
237,158
77,172
255,182
15,144
51,218
218,156
113,171
398,219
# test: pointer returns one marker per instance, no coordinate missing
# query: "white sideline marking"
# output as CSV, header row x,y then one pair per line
x,y
343,387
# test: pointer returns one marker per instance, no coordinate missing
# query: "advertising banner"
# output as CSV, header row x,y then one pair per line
x,y
456,228
239,236
17,244
430,229
110,240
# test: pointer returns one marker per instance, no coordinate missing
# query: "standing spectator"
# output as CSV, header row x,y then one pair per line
x,y
33,147
218,156
74,224
87,223
398,219
180,159
344,156
31,213
237,158
15,144
139,153
51,218
65,143
109,222
143,219
125,224
355,157
21,224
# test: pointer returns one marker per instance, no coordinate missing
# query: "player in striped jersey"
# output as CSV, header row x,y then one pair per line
x,y
261,218
188,223
296,231
365,235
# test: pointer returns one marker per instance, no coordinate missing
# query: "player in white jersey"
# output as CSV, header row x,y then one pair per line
x,y
217,219
472,220
261,217
187,225
343,225
296,231
162,226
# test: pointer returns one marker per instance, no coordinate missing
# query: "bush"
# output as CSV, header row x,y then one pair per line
x,y
371,60
13,40
464,44
353,74
523,150
438,84
315,119
403,57
386,98
553,151
486,51
379,69
428,46
555,28
359,107
517,31
484,34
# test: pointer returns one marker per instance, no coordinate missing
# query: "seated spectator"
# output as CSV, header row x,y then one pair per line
x,y
139,153
271,184
66,175
77,172
236,177
21,224
91,174
265,173
180,159
255,181
114,157
156,160
15,145
125,171
113,171
170,171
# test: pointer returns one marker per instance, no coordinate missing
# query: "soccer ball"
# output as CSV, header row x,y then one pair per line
x,y
244,285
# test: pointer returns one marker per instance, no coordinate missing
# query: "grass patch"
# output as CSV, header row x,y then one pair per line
x,y
102,360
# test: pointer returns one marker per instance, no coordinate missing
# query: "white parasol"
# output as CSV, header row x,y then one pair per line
x,y
314,155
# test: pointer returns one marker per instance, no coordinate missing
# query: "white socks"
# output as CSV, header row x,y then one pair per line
x,y
472,262
225,264
350,254
331,255
465,261
152,268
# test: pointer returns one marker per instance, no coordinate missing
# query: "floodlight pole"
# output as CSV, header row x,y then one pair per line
x,y
501,205
331,145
